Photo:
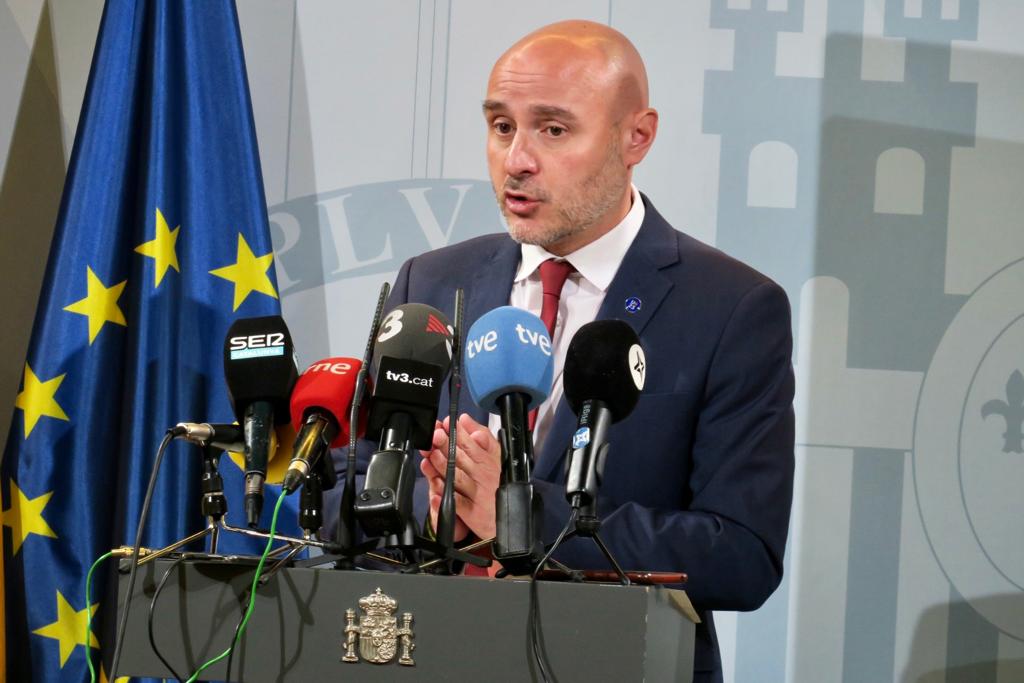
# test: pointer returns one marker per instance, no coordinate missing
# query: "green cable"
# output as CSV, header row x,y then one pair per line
x,y
252,592
88,613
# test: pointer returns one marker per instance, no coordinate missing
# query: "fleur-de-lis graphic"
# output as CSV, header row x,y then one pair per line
x,y
1012,411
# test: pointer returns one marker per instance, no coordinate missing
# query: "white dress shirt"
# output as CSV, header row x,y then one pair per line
x,y
582,296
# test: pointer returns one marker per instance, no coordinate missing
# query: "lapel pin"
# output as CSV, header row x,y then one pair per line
x,y
633,305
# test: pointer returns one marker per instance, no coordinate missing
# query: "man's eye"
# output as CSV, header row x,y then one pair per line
x,y
502,127
555,131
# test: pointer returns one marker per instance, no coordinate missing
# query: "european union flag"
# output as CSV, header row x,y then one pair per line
x,y
162,240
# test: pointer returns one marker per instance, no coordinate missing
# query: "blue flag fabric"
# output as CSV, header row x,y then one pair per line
x,y
162,240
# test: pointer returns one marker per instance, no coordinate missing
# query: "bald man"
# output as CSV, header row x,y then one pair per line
x,y
699,476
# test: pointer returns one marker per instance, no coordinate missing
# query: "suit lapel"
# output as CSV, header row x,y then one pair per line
x,y
638,278
490,287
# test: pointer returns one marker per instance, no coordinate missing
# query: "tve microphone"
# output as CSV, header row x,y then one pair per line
x,y
604,373
320,414
411,357
259,367
509,368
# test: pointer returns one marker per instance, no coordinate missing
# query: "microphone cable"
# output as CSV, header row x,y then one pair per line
x,y
133,571
152,611
533,618
88,612
234,636
240,629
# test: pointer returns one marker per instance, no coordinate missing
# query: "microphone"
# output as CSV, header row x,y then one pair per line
x,y
604,373
509,368
320,414
260,371
411,357
227,437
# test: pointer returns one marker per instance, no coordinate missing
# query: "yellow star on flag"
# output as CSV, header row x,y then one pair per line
x,y
25,516
37,399
69,629
282,442
161,249
104,679
248,272
100,304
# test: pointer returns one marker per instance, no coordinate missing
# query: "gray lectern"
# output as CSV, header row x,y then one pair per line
x,y
326,625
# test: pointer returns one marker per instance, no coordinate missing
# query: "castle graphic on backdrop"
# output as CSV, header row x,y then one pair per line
x,y
850,176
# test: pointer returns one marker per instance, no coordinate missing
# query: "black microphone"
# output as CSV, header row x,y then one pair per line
x,y
411,358
604,373
260,371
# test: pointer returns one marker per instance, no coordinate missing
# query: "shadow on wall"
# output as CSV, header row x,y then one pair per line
x,y
334,248
844,189
30,192
980,663
313,341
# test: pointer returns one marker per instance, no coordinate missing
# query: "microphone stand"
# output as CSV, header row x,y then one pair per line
x,y
446,510
386,501
582,482
588,524
443,548
214,506
215,503
311,510
517,544
346,515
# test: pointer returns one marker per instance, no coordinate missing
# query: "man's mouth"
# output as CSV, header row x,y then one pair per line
x,y
520,203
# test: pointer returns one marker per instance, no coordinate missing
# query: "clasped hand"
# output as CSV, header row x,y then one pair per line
x,y
477,472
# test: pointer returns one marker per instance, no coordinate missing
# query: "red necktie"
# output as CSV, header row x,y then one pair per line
x,y
553,275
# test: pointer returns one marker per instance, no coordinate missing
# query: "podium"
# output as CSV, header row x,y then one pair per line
x,y
310,624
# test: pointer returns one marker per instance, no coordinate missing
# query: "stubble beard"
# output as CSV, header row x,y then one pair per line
x,y
596,195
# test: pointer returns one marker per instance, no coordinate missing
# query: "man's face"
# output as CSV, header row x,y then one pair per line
x,y
553,149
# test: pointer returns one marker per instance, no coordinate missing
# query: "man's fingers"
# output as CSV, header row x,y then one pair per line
x,y
470,425
440,439
429,471
436,468
463,505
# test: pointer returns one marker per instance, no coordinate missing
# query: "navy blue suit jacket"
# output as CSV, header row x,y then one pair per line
x,y
699,477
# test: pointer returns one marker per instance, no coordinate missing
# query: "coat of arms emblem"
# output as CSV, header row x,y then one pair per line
x,y
378,634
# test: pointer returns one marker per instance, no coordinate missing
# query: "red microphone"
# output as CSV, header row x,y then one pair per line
x,y
320,406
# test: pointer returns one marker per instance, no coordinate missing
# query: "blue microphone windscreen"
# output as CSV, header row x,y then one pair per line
x,y
508,350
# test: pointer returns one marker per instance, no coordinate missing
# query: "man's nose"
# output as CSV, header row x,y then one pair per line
x,y
520,159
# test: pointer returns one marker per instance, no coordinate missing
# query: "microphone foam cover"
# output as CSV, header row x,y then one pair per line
x,y
415,332
259,364
605,362
508,350
329,386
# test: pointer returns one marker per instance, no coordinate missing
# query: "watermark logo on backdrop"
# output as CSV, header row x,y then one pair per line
x,y
968,464
374,228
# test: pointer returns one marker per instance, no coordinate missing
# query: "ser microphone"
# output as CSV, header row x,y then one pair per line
x,y
411,358
509,369
604,373
260,370
320,414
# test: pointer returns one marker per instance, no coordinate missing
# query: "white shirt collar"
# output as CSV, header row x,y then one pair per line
x,y
597,261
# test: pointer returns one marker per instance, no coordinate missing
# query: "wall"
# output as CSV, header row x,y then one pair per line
x,y
867,154
44,64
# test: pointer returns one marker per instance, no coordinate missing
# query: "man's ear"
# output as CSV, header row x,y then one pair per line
x,y
641,133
